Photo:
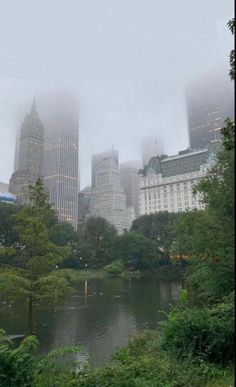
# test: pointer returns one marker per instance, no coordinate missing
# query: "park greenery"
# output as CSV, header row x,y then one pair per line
x,y
193,347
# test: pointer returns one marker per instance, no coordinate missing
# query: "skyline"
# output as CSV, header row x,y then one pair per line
x,y
128,66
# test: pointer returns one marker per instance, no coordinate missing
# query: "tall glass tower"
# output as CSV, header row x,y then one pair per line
x,y
210,100
59,112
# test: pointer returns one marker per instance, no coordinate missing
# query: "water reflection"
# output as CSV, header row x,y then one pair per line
x,y
103,315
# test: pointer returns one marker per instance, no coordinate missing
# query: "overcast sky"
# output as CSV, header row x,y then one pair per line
x,y
128,61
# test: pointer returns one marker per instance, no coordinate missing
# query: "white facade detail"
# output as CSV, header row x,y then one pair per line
x,y
173,193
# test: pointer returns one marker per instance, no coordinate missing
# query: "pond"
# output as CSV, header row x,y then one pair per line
x,y
102,316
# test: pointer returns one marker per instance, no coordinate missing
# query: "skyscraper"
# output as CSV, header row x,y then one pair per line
x,y
210,101
29,160
96,159
129,180
59,111
108,197
17,151
84,198
151,146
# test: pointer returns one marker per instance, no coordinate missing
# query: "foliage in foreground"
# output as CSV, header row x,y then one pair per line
x,y
21,367
207,333
194,348
143,363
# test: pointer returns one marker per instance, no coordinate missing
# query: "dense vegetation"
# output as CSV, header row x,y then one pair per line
x,y
193,347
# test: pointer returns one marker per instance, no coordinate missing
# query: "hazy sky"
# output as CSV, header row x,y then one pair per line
x,y
128,61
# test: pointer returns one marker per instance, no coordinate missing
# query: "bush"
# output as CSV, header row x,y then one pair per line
x,y
142,363
114,268
204,332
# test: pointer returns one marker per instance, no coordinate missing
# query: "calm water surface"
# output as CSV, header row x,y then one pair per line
x,y
103,315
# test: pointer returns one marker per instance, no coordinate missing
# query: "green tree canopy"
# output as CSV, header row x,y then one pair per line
x,y
159,228
137,252
96,242
63,234
34,278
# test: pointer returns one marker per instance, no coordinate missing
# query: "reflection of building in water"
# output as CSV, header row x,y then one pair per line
x,y
164,293
169,292
117,333
174,290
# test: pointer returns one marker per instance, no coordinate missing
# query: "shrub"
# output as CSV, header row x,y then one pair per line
x,y
114,268
204,332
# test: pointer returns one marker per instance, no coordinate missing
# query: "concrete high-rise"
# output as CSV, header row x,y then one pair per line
x,y
108,198
59,111
84,199
96,159
210,100
17,151
130,181
29,158
151,146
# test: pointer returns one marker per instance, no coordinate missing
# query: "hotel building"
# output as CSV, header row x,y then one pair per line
x,y
167,183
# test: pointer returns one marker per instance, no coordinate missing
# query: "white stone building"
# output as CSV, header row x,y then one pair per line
x,y
166,183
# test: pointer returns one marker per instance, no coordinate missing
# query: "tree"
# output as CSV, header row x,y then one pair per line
x,y
159,228
17,365
208,236
35,278
228,131
231,25
137,252
63,234
21,367
8,235
96,242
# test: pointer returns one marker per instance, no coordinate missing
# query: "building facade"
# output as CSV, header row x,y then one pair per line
x,y
108,198
96,159
84,200
30,156
4,188
17,151
167,183
210,100
129,180
59,112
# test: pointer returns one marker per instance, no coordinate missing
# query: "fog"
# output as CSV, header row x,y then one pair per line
x,y
128,62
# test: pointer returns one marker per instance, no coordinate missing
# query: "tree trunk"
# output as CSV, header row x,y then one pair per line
x,y
30,315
